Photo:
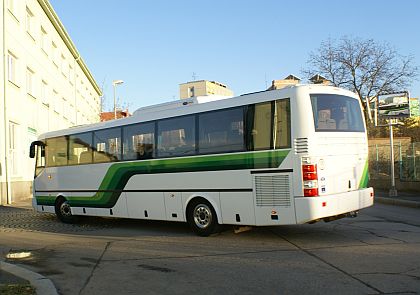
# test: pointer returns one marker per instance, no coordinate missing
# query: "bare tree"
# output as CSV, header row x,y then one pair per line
x,y
103,97
364,66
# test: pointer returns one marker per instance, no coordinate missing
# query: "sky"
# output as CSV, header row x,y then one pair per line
x,y
153,46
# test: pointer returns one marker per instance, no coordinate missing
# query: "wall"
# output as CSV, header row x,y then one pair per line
x,y
3,195
53,88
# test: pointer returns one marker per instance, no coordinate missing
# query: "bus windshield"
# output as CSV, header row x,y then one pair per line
x,y
336,113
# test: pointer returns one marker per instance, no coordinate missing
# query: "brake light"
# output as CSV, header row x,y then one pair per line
x,y
310,192
310,180
309,172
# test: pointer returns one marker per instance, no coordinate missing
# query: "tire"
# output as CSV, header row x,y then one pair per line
x,y
63,211
202,218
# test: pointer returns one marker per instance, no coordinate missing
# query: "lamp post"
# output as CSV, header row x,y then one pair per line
x,y
115,83
393,190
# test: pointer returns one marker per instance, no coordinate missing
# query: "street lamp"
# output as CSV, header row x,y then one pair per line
x,y
115,83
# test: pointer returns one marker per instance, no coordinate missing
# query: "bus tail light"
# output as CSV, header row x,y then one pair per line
x,y
310,188
309,172
310,180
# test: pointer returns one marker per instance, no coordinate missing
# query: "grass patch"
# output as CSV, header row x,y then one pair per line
x,y
17,289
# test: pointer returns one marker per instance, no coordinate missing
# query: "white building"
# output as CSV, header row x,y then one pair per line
x,y
44,85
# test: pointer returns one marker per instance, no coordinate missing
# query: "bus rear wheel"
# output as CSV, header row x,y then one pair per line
x,y
202,218
63,211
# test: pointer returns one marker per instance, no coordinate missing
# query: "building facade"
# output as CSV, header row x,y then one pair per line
x,y
288,81
44,85
203,88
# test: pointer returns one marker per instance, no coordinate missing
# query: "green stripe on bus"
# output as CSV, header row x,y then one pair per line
x,y
365,176
119,174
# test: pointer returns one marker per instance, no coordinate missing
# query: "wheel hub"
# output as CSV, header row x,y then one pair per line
x,y
202,216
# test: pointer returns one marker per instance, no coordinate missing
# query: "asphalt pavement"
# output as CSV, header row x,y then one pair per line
x,y
13,274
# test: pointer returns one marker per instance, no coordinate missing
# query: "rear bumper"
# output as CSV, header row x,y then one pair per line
x,y
313,208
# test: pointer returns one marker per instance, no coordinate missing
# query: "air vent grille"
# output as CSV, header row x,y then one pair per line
x,y
301,145
272,190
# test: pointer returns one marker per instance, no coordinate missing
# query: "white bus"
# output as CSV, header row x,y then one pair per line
x,y
290,156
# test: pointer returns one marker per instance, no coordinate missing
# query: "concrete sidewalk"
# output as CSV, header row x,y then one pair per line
x,y
405,199
13,274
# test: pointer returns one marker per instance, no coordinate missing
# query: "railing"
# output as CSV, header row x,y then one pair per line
x,y
406,160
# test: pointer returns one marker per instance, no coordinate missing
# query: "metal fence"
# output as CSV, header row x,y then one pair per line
x,y
406,160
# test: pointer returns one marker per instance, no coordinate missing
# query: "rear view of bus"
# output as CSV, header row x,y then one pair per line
x,y
332,155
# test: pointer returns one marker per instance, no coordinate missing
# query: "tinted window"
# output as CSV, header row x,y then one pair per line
x,y
139,141
176,137
336,113
107,145
56,151
259,126
282,124
80,149
221,131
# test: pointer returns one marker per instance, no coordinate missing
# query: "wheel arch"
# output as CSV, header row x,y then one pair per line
x,y
60,197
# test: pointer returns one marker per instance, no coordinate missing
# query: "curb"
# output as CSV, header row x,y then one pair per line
x,y
397,202
41,284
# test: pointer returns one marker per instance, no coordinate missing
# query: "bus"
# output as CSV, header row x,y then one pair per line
x,y
290,156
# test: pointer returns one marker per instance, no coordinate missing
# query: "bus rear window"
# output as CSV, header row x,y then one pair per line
x,y
336,113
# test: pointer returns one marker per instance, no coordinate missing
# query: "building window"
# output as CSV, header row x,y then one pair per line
x,y
11,67
71,74
65,108
191,91
29,22
44,93
44,41
13,147
63,66
30,81
54,53
57,102
11,5
72,114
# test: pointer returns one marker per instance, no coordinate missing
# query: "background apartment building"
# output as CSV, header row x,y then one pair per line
x,y
44,85
203,88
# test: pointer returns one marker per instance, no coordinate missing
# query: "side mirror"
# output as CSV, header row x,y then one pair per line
x,y
32,151
32,148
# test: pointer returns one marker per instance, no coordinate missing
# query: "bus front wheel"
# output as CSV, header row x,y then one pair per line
x,y
202,218
63,211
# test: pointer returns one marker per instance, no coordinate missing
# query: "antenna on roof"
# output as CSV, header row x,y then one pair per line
x,y
194,76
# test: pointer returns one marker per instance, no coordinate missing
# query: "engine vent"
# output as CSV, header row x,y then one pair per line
x,y
301,145
272,190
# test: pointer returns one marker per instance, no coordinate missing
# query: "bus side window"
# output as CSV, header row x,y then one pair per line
x,y
176,137
259,126
80,148
282,132
107,145
56,151
221,131
139,141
